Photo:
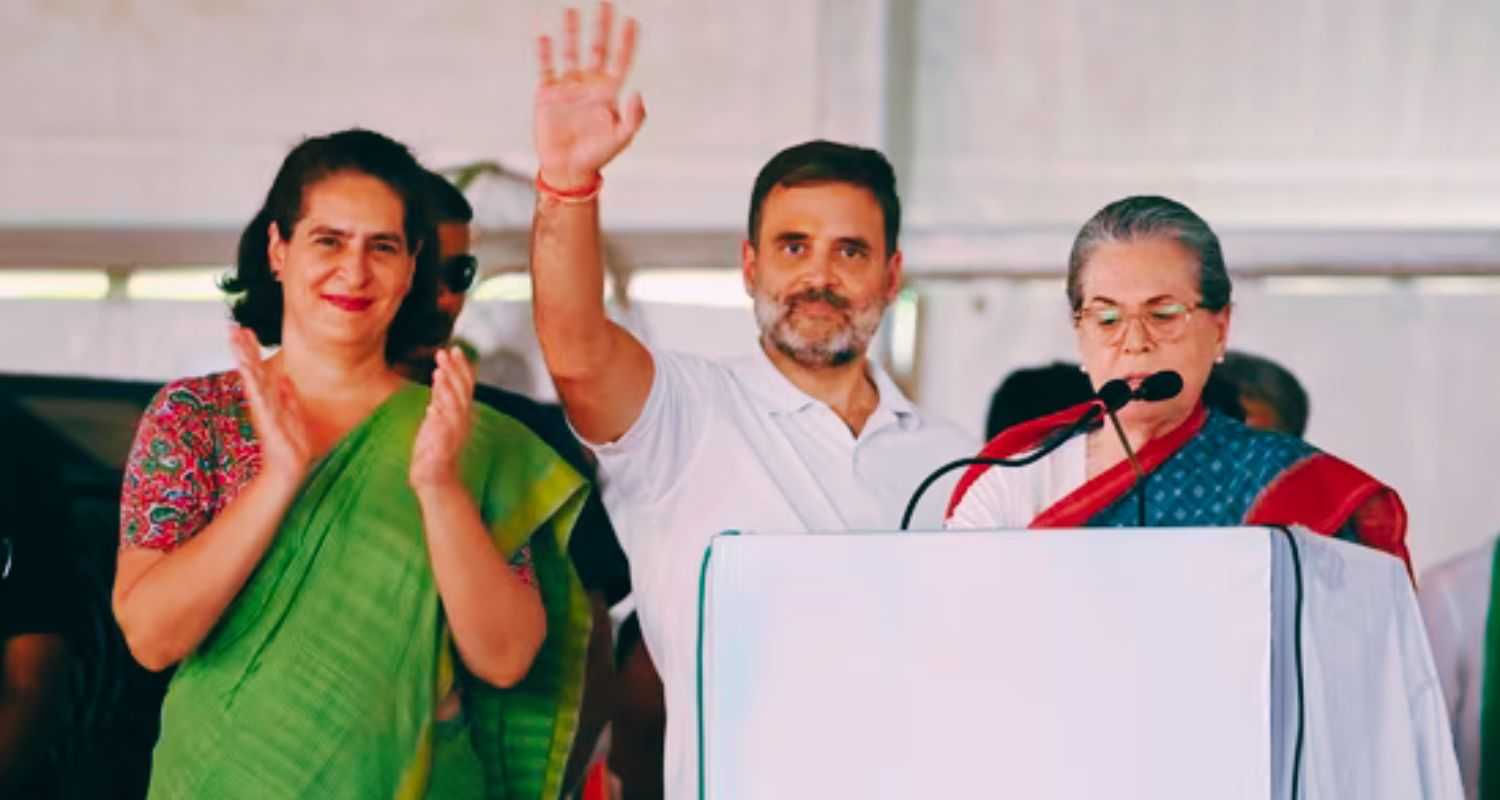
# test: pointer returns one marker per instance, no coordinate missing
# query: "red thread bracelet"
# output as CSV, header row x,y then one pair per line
x,y
581,195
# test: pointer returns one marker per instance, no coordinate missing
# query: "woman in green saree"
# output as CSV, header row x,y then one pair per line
x,y
363,582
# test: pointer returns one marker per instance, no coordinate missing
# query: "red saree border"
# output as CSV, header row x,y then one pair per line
x,y
1093,496
1013,441
1301,495
1078,507
1321,491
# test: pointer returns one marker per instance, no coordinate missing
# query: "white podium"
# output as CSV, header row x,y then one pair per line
x,y
1064,664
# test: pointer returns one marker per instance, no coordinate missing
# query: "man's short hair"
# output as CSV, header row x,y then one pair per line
x,y
1262,379
446,202
1036,392
822,161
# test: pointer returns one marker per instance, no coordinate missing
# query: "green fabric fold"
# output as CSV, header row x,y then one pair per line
x,y
1489,708
322,676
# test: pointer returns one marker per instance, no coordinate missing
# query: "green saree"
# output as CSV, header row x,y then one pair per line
x,y
322,677
1489,703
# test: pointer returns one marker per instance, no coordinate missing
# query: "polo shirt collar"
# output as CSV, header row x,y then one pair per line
x,y
779,394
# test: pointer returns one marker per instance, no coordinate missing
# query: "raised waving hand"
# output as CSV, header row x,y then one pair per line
x,y
579,123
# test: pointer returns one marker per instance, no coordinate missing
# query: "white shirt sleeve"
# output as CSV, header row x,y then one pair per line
x,y
1010,498
1445,631
1455,602
983,505
644,464
1455,598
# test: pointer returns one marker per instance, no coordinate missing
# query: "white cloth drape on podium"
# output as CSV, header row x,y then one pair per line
x,y
1063,665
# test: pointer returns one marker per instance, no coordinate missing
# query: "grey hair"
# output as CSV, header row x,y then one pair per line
x,y
1147,216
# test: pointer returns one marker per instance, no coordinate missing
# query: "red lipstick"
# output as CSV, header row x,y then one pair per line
x,y
348,303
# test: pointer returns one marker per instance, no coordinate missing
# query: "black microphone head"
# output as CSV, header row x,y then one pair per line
x,y
1115,394
1163,385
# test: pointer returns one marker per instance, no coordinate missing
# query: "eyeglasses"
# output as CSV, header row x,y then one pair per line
x,y
458,273
1163,321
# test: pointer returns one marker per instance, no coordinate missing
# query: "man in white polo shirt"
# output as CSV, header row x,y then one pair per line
x,y
806,435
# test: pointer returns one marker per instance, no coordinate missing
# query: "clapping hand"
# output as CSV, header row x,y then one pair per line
x,y
440,440
275,412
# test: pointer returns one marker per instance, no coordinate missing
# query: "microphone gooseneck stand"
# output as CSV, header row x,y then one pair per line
x,y
1111,396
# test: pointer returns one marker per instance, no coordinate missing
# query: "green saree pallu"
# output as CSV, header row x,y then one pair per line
x,y
322,676
1489,703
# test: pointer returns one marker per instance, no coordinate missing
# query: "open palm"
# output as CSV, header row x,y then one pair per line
x,y
580,125
276,414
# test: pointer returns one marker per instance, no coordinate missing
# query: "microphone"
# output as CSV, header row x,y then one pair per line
x,y
1159,386
1115,394
1111,397
1163,385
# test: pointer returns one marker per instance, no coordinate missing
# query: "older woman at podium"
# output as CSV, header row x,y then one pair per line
x,y
1150,295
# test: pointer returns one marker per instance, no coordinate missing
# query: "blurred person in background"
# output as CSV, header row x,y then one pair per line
x,y
1032,392
1271,395
1458,606
39,608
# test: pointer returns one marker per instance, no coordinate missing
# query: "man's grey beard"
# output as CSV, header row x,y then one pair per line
x,y
837,348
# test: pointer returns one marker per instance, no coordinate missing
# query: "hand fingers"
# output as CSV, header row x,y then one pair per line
x,y
259,405
443,419
441,416
246,351
570,40
465,372
250,367
455,393
544,59
455,367
633,117
600,49
291,405
242,351
442,388
626,55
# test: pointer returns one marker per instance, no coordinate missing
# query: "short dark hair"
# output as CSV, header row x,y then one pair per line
x,y
1264,380
447,202
1036,392
1222,396
822,161
258,298
1146,216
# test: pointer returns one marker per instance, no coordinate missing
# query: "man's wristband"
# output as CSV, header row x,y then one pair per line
x,y
582,194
